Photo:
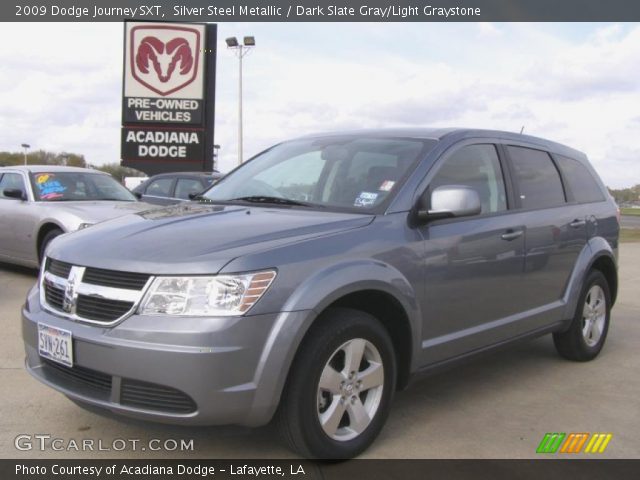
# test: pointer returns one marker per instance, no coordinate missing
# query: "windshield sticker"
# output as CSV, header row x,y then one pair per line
x,y
49,187
365,199
387,185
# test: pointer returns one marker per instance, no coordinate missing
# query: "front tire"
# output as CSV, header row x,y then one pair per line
x,y
340,387
588,331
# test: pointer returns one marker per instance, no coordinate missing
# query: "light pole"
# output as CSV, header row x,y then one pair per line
x,y
26,146
216,152
241,50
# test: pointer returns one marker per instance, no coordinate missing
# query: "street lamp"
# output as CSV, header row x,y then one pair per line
x,y
240,50
216,153
26,146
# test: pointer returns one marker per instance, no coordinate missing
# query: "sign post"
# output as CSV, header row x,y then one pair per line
x,y
168,102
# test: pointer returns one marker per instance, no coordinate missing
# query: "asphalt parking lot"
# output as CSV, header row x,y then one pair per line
x,y
498,406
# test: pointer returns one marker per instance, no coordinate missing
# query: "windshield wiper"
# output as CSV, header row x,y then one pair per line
x,y
275,200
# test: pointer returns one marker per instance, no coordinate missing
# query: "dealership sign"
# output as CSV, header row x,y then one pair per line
x,y
168,96
152,143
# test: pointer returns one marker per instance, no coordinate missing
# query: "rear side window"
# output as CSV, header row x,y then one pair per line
x,y
186,186
160,187
583,186
538,178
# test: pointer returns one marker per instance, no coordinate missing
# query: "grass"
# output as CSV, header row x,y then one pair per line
x,y
630,211
628,235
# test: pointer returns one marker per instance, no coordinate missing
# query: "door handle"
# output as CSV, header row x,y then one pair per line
x,y
511,235
577,223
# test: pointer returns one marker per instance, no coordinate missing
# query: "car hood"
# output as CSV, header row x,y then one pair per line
x,y
195,238
96,211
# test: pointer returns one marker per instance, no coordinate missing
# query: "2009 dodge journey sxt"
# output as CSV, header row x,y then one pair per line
x,y
322,275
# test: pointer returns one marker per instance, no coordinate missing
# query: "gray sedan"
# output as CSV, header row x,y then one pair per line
x,y
40,202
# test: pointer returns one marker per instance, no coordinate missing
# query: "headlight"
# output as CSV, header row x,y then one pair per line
x,y
220,295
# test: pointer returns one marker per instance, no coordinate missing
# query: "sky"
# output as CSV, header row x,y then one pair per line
x,y
575,83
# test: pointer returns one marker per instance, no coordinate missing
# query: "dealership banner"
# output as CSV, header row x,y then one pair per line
x,y
324,11
168,96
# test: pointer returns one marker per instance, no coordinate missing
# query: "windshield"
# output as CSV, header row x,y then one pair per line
x,y
78,186
341,173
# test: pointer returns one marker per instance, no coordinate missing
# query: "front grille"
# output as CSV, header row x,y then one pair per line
x,y
150,396
101,382
112,278
61,269
54,296
93,294
101,309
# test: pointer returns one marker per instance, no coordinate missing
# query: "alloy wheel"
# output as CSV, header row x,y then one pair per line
x,y
350,389
594,314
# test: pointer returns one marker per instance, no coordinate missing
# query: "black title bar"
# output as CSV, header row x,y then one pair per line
x,y
305,470
322,11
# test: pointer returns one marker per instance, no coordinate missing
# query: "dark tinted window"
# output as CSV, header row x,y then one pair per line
x,y
583,186
537,177
478,167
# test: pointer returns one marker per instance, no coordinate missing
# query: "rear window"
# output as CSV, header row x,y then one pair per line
x,y
583,186
538,178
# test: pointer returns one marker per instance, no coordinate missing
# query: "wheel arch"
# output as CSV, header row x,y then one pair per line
x,y
393,303
376,288
393,317
43,230
606,265
597,254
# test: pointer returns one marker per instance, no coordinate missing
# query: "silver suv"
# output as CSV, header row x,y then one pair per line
x,y
322,275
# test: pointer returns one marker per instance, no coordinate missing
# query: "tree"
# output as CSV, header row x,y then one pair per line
x,y
42,157
118,172
625,195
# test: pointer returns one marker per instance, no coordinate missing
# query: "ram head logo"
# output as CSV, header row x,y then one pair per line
x,y
164,59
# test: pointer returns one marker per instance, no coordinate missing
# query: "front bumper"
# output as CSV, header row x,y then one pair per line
x,y
232,369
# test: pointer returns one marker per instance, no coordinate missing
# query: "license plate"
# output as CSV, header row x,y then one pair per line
x,y
55,344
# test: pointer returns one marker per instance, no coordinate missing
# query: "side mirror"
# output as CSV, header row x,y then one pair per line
x,y
449,201
16,193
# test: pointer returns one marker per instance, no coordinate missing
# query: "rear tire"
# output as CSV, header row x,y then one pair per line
x,y
588,331
340,386
50,235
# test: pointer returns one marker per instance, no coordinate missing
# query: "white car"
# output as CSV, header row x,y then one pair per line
x,y
40,202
